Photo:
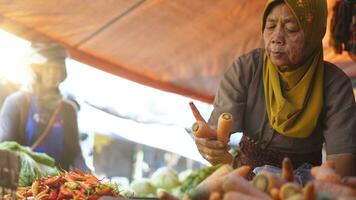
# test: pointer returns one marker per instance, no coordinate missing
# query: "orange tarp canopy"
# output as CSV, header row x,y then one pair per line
x,y
180,46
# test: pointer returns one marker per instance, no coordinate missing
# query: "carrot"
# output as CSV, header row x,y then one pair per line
x,y
329,164
162,195
221,171
333,188
232,195
287,170
212,183
297,197
202,130
203,192
266,181
289,190
215,196
309,191
274,193
326,173
349,181
224,127
196,112
242,171
239,184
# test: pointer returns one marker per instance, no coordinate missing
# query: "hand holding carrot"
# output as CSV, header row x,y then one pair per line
x,y
213,151
212,144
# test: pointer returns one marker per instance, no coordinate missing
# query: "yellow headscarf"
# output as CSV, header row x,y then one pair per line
x,y
294,111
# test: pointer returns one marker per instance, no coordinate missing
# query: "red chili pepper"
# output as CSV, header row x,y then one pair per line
x,y
79,195
28,193
68,178
76,176
60,196
85,186
66,192
93,197
53,195
52,181
92,180
78,171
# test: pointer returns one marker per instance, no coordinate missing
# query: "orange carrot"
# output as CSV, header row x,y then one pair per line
x,y
326,173
239,184
224,127
196,112
287,170
349,181
215,196
212,183
202,130
333,188
274,193
329,164
204,191
242,171
162,195
232,195
297,197
289,190
309,191
220,172
266,181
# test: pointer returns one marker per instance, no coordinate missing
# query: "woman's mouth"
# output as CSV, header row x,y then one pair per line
x,y
277,53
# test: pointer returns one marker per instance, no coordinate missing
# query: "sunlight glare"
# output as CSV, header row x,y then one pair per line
x,y
14,53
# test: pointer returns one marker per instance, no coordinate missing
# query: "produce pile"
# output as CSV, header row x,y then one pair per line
x,y
68,185
168,180
226,183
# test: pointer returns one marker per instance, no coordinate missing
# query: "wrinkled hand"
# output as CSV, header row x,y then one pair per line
x,y
213,151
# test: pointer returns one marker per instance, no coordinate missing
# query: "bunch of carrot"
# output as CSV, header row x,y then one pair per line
x,y
227,183
201,129
68,185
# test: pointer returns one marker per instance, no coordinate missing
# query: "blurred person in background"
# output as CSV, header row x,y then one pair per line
x,y
40,117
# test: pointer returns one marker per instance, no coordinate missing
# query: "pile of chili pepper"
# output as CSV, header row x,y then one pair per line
x,y
68,185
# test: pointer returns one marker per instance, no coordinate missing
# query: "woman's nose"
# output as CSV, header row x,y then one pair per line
x,y
278,37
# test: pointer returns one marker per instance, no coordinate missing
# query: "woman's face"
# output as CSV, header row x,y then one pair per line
x,y
51,75
284,39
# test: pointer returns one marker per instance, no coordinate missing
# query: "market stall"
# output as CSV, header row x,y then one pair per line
x,y
185,47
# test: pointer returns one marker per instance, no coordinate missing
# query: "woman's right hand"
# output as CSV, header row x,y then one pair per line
x,y
214,151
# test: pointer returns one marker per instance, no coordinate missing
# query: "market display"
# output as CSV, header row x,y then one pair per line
x,y
227,183
68,185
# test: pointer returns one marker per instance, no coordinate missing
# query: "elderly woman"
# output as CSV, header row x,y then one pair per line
x,y
41,118
285,98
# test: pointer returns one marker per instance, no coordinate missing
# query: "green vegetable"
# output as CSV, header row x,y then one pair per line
x,y
33,165
38,157
142,188
197,177
165,178
184,174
